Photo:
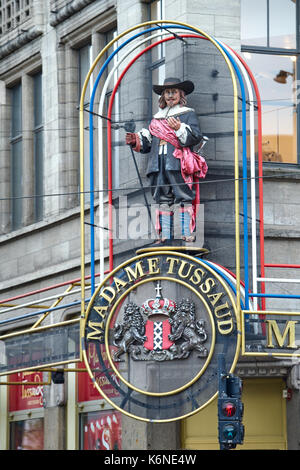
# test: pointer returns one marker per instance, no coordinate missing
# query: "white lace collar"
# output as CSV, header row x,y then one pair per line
x,y
173,111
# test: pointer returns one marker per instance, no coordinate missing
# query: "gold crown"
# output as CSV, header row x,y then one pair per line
x,y
159,305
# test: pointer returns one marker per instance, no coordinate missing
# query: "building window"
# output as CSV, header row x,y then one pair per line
x,y
27,434
38,146
84,65
269,23
26,149
85,60
270,46
13,13
26,401
100,430
16,156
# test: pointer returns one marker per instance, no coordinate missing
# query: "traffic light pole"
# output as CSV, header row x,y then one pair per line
x,y
222,375
230,408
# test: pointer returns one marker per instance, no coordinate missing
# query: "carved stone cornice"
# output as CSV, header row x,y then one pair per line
x,y
263,368
68,10
22,39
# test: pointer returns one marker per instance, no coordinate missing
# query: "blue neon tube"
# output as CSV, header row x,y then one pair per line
x,y
245,184
230,283
244,152
91,142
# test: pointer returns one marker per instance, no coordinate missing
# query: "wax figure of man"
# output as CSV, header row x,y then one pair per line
x,y
173,167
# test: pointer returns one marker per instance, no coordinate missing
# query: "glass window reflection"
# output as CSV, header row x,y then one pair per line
x,y
101,430
254,26
276,76
27,434
282,30
269,23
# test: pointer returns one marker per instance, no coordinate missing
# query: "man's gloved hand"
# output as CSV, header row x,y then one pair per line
x,y
130,139
174,123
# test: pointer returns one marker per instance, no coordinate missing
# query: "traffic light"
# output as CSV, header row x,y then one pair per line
x,y
230,412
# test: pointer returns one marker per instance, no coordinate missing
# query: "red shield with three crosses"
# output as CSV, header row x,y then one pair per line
x,y
158,327
157,333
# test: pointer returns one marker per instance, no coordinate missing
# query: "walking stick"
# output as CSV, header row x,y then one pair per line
x,y
130,127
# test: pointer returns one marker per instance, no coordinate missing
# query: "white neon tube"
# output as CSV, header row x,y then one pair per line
x,y
252,171
252,158
275,279
100,144
232,279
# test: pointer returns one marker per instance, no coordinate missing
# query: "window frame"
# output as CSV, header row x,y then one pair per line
x,y
270,50
27,137
16,139
20,417
90,409
38,160
84,60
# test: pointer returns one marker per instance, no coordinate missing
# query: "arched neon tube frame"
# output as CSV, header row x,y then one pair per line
x,y
109,166
91,138
91,133
252,153
245,221
236,170
244,113
100,140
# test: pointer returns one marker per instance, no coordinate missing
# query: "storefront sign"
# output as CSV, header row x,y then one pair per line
x,y
87,390
271,334
23,396
102,431
158,323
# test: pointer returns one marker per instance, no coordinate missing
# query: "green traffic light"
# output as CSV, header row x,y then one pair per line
x,y
229,432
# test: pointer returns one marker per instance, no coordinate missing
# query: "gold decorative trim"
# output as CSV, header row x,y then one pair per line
x,y
183,387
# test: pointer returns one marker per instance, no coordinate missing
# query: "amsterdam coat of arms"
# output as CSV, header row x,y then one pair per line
x,y
160,329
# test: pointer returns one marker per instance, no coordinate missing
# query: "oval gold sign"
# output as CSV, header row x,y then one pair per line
x,y
152,335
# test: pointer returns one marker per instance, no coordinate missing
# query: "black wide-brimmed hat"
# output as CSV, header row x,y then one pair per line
x,y
187,86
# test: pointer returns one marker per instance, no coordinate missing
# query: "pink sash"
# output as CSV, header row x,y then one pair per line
x,y
193,166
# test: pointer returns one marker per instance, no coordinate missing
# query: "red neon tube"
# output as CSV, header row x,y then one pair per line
x,y
291,266
44,289
260,176
259,152
109,151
